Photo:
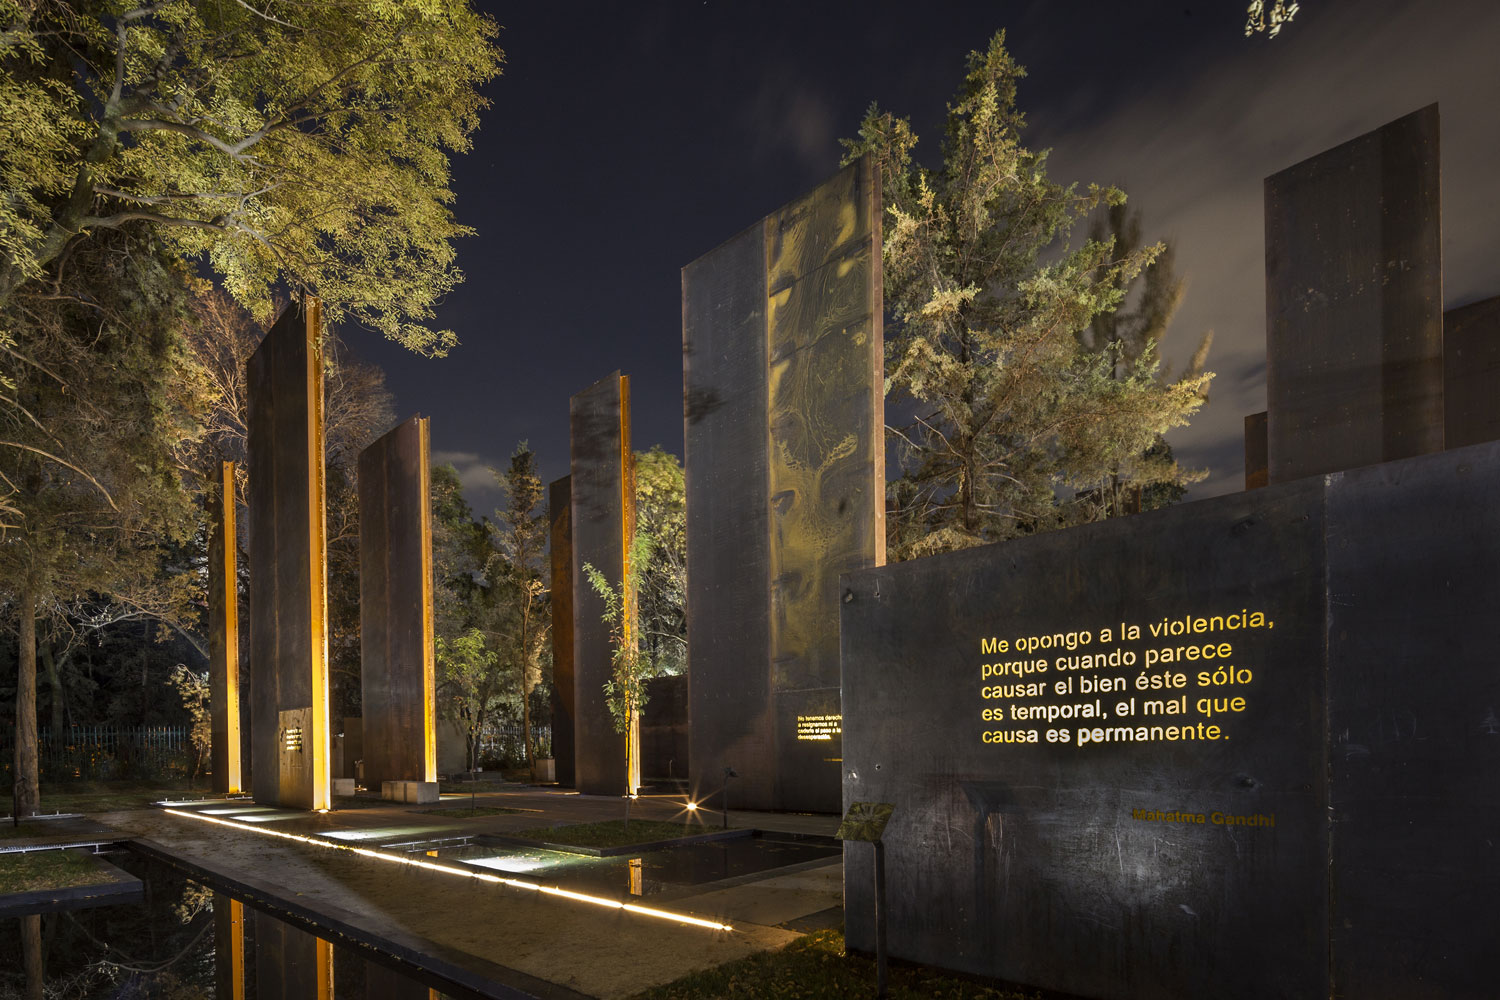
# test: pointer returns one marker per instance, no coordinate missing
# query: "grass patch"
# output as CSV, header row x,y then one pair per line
x,y
37,870
816,966
467,811
108,796
614,833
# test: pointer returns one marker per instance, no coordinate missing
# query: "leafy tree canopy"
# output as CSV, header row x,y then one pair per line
x,y
661,515
986,301
304,141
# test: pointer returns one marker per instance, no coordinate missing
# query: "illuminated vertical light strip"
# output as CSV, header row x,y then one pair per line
x,y
547,890
230,599
429,669
317,555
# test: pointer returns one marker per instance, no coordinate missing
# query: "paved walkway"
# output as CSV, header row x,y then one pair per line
x,y
561,947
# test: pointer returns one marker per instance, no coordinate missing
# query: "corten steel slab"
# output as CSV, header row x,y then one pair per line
x,y
224,636
1065,866
288,648
560,522
603,521
1354,303
395,607
1368,734
785,485
1256,473
1471,373
1414,757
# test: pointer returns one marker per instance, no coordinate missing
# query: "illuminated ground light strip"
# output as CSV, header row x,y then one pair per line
x,y
612,904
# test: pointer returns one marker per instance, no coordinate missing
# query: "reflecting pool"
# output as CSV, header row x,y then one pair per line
x,y
186,941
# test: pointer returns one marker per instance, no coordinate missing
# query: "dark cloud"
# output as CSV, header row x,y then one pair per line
x,y
1193,153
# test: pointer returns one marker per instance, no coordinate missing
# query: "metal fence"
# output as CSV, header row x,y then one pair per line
x,y
103,752
504,743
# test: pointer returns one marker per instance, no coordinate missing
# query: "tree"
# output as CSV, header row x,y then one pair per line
x,y
625,693
467,667
661,515
192,688
471,681
985,298
1130,335
1258,18
524,625
304,142
101,398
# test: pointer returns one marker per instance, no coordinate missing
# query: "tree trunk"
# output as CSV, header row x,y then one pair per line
x,y
525,694
27,794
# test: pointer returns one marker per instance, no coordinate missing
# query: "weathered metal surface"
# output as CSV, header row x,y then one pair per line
x,y
560,521
288,558
1256,472
1471,373
665,733
224,636
1063,864
1414,753
728,518
785,484
395,607
603,520
1360,759
1354,300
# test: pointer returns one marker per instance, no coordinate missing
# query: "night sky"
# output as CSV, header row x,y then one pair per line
x,y
625,140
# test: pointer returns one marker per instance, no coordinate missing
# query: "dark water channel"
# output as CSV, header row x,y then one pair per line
x,y
187,941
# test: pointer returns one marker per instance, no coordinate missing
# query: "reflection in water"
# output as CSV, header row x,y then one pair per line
x,y
184,941
31,955
229,947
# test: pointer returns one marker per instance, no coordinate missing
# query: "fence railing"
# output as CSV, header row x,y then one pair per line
x,y
504,742
103,752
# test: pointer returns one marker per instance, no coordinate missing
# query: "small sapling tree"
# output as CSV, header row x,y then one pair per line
x,y
625,691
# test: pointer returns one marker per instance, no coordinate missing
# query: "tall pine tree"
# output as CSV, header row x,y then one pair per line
x,y
986,298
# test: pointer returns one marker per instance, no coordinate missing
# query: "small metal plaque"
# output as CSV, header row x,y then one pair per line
x,y
865,821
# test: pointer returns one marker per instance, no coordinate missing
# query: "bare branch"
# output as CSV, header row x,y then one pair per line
x,y
64,462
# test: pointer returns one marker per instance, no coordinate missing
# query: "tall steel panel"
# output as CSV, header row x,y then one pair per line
x,y
395,607
1354,303
603,521
560,527
288,564
782,346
